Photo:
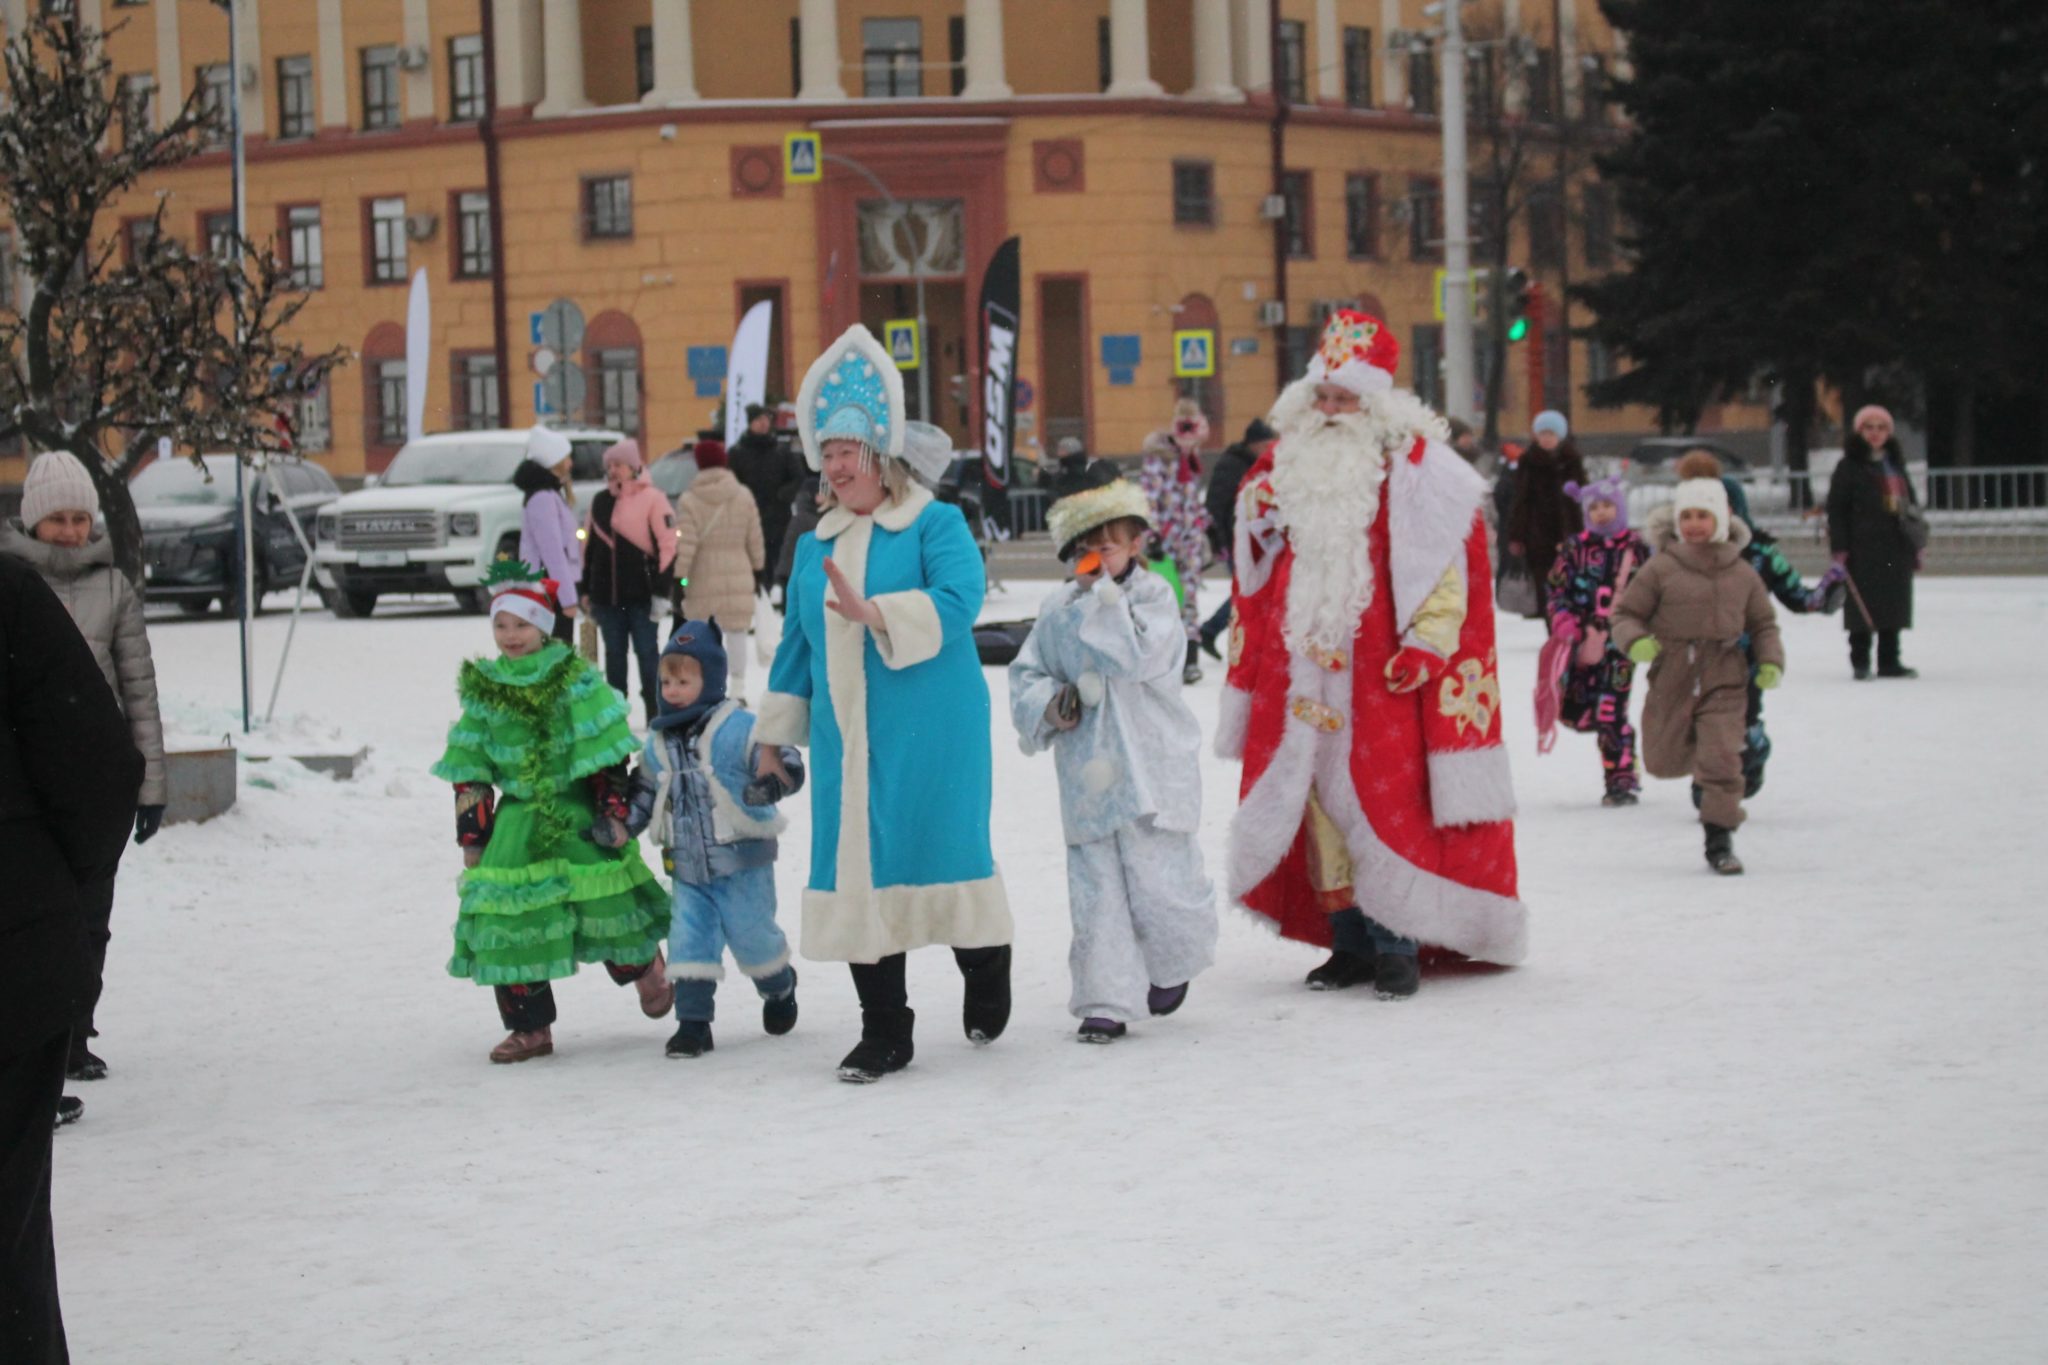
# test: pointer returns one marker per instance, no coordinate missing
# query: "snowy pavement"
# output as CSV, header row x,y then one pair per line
x,y
1792,1117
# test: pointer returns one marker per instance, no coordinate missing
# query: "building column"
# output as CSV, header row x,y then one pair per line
x,y
675,55
1329,53
562,51
1213,79
518,42
985,78
1130,52
1255,48
818,32
170,66
418,84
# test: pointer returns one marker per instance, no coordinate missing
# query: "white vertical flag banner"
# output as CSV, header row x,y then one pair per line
x,y
746,376
417,356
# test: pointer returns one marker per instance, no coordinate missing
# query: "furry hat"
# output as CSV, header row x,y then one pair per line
x,y
627,453
517,589
704,642
56,482
546,447
1602,490
1550,419
1075,515
1706,495
1358,352
1698,464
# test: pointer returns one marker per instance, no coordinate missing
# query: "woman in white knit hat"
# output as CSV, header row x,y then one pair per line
x,y
57,537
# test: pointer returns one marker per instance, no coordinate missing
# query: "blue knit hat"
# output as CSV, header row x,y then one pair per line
x,y
704,642
1550,419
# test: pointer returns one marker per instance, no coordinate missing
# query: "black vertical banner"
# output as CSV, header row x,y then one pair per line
x,y
1001,308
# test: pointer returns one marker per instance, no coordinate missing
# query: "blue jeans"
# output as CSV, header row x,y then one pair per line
x,y
616,625
736,912
1358,933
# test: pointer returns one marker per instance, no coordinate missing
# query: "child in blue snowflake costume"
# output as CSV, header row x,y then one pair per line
x,y
716,824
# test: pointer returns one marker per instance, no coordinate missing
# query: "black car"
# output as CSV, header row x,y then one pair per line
x,y
189,539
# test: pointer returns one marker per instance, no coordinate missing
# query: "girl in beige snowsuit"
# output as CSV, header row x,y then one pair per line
x,y
1688,614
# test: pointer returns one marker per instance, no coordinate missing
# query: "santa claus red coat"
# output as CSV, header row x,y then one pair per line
x,y
1416,782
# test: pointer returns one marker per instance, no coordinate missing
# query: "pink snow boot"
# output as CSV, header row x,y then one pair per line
x,y
657,992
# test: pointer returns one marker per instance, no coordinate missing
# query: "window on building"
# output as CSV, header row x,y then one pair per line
x,y
476,380
1294,60
387,241
216,86
129,4
295,97
1425,219
466,78
1546,228
1598,204
892,58
643,60
1358,67
1599,361
618,389
608,206
136,235
1593,89
1482,88
60,9
1361,217
1557,369
380,87
1297,189
1427,365
315,422
1484,213
1194,194
1299,345
796,57
1422,81
1105,69
219,230
387,413
137,96
956,51
304,251
1542,78
472,235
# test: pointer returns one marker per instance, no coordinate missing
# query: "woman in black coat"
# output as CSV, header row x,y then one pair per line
x,y
1543,516
1867,501
69,775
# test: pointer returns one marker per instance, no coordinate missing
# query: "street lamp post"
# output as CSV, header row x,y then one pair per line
x,y
238,174
924,359
1458,369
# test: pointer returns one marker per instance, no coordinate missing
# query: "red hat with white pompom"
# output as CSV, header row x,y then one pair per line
x,y
518,590
1358,352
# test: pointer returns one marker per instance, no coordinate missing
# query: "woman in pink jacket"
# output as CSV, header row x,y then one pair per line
x,y
629,553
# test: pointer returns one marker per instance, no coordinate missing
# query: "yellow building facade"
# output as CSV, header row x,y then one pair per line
x,y
1135,147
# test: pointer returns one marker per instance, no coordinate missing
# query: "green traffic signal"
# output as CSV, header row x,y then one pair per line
x,y
1518,329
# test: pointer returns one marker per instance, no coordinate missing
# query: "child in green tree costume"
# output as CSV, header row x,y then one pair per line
x,y
541,727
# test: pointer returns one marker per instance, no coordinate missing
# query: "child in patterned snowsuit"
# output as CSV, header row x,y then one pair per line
x,y
1095,683
1171,479
717,829
541,727
1592,569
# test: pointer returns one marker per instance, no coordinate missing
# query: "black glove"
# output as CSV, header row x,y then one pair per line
x,y
608,833
766,791
148,820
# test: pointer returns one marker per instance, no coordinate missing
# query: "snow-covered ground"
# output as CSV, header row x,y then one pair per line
x,y
1792,1117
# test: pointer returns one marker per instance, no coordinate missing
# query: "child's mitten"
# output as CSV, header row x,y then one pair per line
x,y
608,833
1645,650
768,789
1769,676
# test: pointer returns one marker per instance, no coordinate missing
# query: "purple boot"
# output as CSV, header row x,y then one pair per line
x,y
1094,1030
1164,1000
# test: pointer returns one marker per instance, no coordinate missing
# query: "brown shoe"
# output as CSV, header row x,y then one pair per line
x,y
657,992
519,1047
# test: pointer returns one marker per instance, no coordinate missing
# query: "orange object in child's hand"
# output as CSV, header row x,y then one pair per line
x,y
1088,564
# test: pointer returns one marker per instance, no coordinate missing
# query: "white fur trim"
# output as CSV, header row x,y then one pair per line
x,y
1232,716
1406,899
769,968
1471,786
1098,775
1354,374
842,927
890,516
1090,687
1079,513
696,971
785,718
729,819
526,609
911,633
1428,522
1108,592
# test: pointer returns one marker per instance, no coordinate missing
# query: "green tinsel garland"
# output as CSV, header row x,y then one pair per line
x,y
533,703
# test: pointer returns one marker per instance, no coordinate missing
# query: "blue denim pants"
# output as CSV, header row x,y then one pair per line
x,y
736,912
618,625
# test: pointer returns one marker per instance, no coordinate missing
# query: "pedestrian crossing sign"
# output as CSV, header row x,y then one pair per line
x,y
1194,355
900,336
803,159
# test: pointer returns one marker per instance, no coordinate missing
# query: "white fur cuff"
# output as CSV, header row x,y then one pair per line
x,y
696,971
910,632
769,968
1471,786
1232,716
1108,592
785,719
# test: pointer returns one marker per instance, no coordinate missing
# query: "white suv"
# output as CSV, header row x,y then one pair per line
x,y
439,517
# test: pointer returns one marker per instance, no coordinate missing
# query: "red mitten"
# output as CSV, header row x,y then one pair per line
x,y
1410,669
611,793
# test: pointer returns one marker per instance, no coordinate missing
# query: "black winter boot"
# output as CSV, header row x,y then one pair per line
x,y
1343,971
81,1064
778,1013
1396,976
985,1004
692,1038
1721,851
1192,673
884,1046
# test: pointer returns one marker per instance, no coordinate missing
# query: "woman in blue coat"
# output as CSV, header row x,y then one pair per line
x,y
877,672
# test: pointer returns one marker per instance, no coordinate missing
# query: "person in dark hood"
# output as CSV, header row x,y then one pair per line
x,y
1232,465
1074,472
771,471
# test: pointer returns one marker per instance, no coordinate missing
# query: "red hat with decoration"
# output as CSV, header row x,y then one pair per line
x,y
521,591
1358,352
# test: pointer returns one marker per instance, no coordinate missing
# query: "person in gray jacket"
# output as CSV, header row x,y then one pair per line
x,y
56,537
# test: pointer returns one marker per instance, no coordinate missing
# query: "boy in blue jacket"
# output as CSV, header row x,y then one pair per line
x,y
716,824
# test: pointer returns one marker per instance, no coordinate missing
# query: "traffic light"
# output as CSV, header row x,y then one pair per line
x,y
1515,297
